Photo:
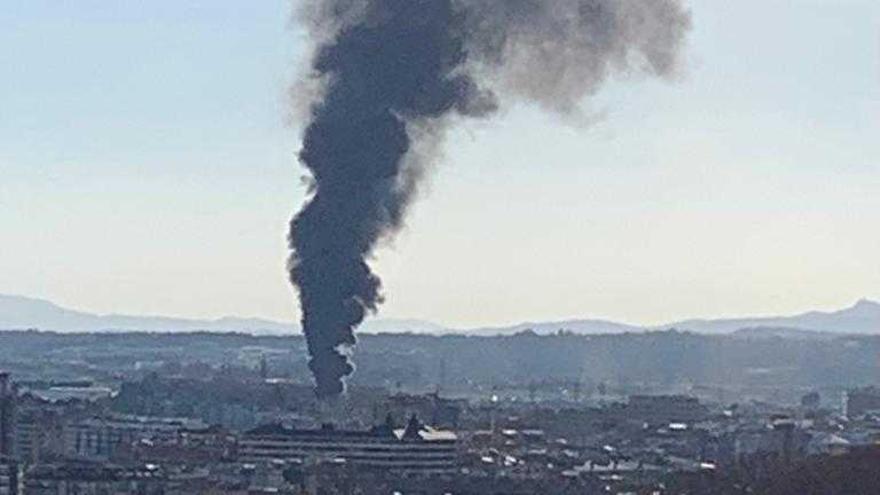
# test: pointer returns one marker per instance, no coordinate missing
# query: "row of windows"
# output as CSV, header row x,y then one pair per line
x,y
354,455
429,447
449,457
325,439
388,463
290,448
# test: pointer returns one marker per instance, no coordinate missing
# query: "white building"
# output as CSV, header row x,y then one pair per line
x,y
417,448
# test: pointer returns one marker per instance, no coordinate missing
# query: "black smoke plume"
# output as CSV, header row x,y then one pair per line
x,y
389,66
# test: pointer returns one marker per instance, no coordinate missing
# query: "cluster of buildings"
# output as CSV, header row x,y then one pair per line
x,y
647,440
79,443
80,446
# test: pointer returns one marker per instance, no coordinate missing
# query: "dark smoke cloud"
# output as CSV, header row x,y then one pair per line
x,y
389,66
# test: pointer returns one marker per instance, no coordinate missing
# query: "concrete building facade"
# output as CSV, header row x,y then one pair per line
x,y
415,449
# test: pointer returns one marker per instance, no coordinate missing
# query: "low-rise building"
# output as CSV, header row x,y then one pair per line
x,y
100,437
38,431
92,479
862,401
7,415
666,408
8,476
416,448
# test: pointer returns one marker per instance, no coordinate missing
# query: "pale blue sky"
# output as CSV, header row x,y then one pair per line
x,y
148,167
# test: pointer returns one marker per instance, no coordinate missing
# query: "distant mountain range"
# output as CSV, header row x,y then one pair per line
x,y
861,318
19,313
22,313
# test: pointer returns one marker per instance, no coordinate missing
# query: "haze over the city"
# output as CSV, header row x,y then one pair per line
x,y
149,168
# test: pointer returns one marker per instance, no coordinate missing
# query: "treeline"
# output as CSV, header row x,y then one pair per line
x,y
654,359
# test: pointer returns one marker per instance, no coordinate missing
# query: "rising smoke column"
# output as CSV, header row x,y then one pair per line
x,y
389,66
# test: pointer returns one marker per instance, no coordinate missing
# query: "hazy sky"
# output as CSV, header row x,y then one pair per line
x,y
147,161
